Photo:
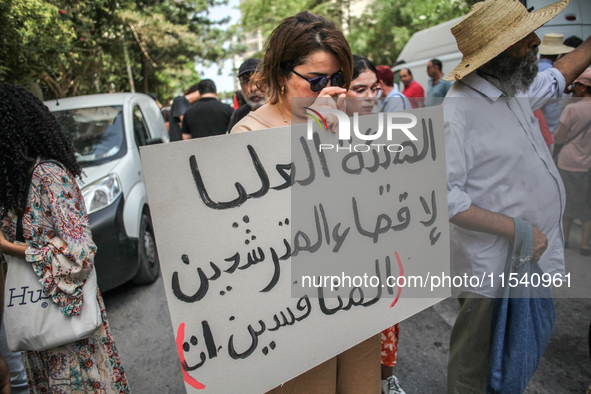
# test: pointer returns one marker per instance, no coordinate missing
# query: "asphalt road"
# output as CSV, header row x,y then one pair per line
x,y
143,333
140,323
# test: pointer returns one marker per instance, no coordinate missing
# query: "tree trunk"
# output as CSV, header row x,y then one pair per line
x,y
36,90
145,72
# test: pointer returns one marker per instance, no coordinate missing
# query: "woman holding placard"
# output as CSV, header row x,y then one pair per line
x,y
41,204
307,56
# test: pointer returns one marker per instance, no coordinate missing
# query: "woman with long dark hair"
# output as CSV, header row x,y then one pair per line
x,y
54,222
364,88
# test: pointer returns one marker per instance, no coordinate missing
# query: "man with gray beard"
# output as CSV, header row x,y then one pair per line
x,y
498,167
511,73
252,95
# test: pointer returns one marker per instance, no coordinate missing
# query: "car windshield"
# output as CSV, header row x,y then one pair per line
x,y
97,133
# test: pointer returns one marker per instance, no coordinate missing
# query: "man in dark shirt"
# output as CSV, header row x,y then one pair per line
x,y
208,116
177,110
253,96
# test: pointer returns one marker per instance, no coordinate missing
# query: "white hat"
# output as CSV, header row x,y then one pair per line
x,y
552,45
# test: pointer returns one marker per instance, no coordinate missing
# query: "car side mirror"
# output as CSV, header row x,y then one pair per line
x,y
153,141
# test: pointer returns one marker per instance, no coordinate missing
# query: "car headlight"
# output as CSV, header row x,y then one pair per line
x,y
102,193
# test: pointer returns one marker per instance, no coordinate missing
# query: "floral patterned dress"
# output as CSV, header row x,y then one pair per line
x,y
54,222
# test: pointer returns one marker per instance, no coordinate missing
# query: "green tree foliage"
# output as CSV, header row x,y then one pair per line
x,y
385,27
74,47
167,36
379,34
266,14
32,38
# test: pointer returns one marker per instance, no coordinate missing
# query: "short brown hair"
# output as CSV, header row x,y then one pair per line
x,y
192,89
290,44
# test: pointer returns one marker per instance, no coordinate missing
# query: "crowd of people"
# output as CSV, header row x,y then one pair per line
x,y
383,95
501,127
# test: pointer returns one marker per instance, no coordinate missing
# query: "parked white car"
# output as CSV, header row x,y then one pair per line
x,y
107,131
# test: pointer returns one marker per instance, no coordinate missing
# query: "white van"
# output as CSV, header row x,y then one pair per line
x,y
107,131
437,42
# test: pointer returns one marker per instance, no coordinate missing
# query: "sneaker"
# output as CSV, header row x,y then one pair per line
x,y
391,386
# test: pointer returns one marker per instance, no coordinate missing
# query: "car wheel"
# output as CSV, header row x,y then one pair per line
x,y
147,254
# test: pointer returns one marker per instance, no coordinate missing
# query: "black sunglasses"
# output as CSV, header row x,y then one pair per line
x,y
320,82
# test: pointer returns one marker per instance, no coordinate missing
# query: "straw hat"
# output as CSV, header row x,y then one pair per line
x,y
492,26
552,45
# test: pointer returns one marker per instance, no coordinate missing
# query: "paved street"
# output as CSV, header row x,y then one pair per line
x,y
142,329
143,333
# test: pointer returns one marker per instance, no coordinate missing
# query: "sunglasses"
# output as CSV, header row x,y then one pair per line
x,y
319,83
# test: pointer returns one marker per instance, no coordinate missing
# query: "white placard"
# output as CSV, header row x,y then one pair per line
x,y
221,209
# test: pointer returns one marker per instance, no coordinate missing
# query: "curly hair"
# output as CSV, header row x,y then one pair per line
x,y
27,131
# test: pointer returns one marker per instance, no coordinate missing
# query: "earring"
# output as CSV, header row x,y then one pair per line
x,y
283,90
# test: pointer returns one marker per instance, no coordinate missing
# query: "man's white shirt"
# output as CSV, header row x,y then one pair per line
x,y
497,160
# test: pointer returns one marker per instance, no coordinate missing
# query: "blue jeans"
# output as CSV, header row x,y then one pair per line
x,y
18,377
